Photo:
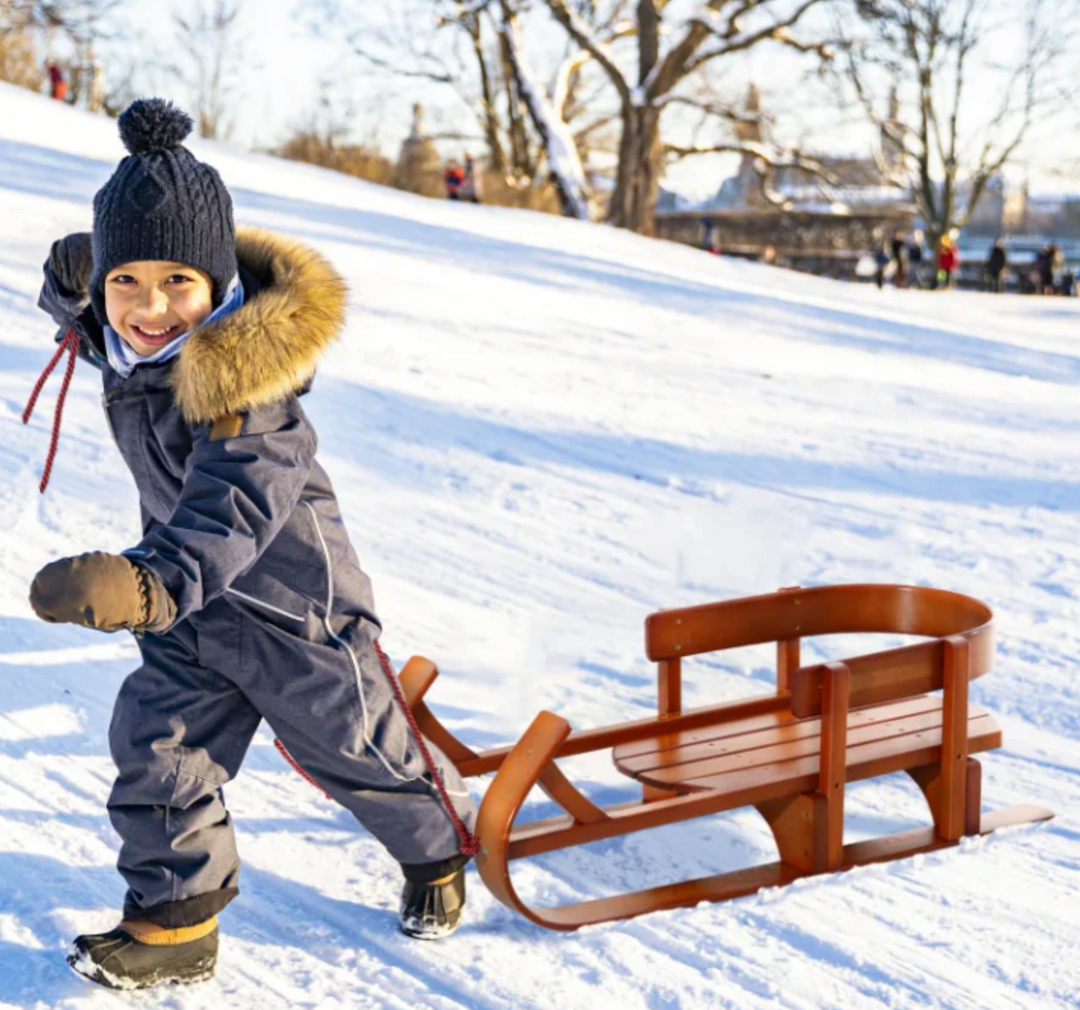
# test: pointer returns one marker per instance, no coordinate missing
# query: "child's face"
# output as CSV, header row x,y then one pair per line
x,y
151,302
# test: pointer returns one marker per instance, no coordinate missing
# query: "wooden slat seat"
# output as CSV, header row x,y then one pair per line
x,y
776,747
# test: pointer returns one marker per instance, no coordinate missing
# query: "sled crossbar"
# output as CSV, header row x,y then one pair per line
x,y
788,754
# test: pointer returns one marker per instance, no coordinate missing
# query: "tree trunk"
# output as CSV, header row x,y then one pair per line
x,y
637,181
496,156
520,162
564,164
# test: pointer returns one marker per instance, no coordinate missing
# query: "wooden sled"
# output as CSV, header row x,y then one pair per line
x,y
788,754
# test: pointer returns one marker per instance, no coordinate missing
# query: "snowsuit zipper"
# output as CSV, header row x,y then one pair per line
x,y
268,606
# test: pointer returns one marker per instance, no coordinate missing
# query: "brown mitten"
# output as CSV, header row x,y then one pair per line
x,y
102,591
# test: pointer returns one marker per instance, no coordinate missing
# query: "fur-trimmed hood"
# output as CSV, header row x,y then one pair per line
x,y
270,346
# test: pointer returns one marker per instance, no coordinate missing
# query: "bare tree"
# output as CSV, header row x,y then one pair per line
x,y
668,55
438,42
213,49
953,136
625,64
458,45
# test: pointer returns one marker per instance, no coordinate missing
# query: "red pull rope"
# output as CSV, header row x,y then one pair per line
x,y
470,844
70,343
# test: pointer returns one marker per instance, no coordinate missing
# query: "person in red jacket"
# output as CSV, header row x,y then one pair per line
x,y
454,180
57,84
948,261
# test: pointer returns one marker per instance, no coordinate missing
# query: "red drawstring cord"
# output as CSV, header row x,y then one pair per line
x,y
300,771
70,343
470,844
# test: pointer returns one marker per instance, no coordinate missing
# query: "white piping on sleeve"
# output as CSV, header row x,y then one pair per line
x,y
351,654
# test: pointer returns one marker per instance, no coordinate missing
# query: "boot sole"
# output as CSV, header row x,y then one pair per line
x,y
440,934
200,972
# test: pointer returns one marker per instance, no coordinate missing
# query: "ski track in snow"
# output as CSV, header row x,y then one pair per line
x,y
540,431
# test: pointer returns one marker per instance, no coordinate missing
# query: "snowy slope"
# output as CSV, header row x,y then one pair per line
x,y
541,431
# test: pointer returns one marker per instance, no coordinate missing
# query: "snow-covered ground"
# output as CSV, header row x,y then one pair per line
x,y
541,431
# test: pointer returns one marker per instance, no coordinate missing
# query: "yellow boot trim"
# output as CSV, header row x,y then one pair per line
x,y
160,936
443,880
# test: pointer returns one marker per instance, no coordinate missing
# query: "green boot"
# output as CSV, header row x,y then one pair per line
x,y
137,955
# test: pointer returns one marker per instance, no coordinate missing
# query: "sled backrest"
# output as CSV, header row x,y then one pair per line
x,y
793,614
883,676
804,613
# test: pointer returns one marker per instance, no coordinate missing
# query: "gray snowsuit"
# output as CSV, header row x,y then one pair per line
x,y
275,618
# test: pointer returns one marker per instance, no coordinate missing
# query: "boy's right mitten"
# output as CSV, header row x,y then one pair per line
x,y
102,591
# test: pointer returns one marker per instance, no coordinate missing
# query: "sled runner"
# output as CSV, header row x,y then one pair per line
x,y
788,754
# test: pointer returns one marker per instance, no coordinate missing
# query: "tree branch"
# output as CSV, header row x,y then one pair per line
x,y
778,32
580,32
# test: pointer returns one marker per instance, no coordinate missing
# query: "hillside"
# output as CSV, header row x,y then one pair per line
x,y
541,431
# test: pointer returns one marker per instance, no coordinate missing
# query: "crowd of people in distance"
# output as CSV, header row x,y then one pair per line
x,y
904,262
1048,273
907,263
462,180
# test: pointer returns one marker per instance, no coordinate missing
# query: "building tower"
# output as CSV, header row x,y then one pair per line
x,y
419,164
893,156
749,131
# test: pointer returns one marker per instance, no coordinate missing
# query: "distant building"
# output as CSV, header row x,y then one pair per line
x,y
419,165
1018,212
988,219
1057,216
853,182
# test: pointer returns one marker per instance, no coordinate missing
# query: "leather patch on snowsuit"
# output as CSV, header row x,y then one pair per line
x,y
226,426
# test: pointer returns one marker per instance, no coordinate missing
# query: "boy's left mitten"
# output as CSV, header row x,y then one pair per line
x,y
65,297
102,591
71,260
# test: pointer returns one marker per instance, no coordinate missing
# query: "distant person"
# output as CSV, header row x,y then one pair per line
x,y
899,257
882,259
1044,267
58,88
454,180
1030,278
1068,283
995,266
1057,271
947,261
707,234
470,184
915,260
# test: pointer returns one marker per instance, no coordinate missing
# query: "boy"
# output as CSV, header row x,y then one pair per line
x,y
245,594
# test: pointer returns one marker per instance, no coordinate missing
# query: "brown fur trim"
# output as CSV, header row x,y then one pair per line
x,y
270,346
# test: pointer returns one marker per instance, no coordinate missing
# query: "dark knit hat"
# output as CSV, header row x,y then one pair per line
x,y
161,203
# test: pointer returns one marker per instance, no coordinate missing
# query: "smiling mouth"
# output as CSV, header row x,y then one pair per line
x,y
156,336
